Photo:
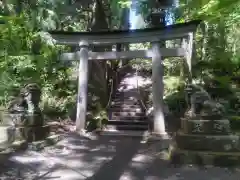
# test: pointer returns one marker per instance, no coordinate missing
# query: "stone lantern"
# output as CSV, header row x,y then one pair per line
x,y
156,18
157,15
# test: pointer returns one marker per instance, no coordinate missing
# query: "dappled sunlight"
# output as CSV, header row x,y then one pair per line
x,y
107,158
142,158
134,82
128,175
138,165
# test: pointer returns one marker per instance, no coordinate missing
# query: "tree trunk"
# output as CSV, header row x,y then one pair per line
x,y
99,68
125,26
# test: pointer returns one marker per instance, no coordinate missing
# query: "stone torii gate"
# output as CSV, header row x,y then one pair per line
x,y
183,31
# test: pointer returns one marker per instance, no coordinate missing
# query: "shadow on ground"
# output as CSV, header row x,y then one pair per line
x,y
113,158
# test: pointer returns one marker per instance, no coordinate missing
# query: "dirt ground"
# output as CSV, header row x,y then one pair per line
x,y
113,158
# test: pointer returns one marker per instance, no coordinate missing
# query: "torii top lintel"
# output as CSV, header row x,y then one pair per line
x,y
169,32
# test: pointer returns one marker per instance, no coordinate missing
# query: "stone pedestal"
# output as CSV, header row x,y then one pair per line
x,y
6,137
206,127
19,126
32,133
204,141
216,143
23,120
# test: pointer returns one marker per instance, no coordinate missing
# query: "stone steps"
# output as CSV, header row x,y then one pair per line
x,y
125,113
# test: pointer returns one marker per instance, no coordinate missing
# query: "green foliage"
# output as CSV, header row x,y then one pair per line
x,y
27,57
217,61
175,99
28,54
97,120
235,122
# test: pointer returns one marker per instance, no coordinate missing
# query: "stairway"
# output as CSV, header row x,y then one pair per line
x,y
126,116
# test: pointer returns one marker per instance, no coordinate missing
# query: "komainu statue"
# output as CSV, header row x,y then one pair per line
x,y
25,112
26,106
32,97
201,105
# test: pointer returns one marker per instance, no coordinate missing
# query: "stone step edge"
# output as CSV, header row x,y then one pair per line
x,y
203,158
211,135
124,100
146,135
116,98
122,133
125,125
128,121
236,153
117,109
128,116
126,91
203,120
31,126
134,113
136,128
126,105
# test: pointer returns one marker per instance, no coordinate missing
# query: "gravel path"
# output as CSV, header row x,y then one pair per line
x,y
118,158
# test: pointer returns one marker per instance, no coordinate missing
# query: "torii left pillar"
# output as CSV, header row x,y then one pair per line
x,y
82,87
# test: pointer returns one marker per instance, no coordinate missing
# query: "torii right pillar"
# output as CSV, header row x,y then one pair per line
x,y
157,89
187,44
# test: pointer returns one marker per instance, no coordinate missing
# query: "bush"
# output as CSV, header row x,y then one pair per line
x,y
235,122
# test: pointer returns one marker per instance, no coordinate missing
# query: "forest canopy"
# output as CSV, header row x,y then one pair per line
x,y
29,55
